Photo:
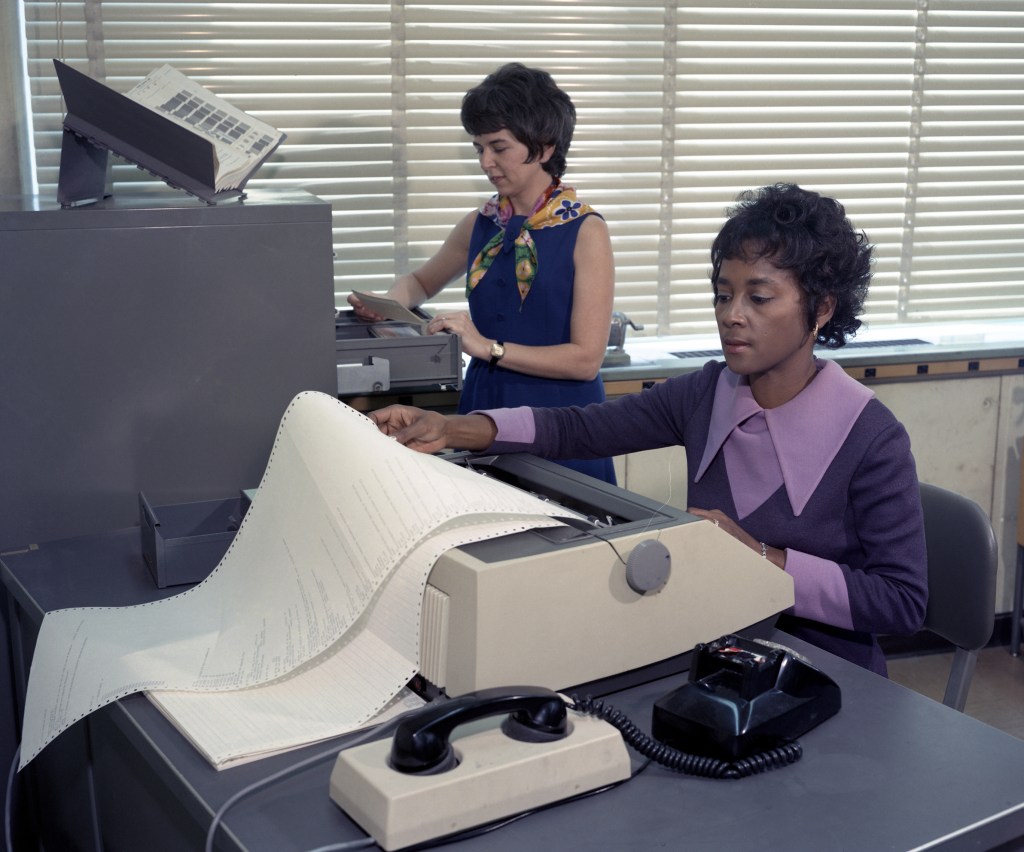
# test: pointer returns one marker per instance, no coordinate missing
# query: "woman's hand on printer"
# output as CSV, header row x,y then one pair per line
x,y
431,432
474,343
775,555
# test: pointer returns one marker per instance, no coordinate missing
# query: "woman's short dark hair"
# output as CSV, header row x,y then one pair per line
x,y
527,103
808,234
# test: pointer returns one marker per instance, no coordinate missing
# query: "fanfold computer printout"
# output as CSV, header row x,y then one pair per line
x,y
328,569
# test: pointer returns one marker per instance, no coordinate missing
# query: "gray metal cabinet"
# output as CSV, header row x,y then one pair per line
x,y
151,342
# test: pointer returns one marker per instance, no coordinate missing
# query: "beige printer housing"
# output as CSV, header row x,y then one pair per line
x,y
528,609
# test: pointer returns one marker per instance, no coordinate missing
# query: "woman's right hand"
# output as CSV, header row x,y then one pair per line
x,y
423,431
431,432
362,312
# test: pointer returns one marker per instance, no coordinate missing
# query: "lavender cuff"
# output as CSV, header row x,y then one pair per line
x,y
515,425
819,589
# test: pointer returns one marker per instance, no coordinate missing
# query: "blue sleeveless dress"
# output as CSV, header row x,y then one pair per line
x,y
542,319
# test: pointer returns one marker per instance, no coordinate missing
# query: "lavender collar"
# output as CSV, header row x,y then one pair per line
x,y
806,433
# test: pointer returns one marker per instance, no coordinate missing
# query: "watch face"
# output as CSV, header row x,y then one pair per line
x,y
497,350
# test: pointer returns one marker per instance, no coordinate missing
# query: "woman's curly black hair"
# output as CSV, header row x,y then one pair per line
x,y
527,103
808,234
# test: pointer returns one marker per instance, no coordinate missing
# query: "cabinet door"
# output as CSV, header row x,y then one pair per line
x,y
953,426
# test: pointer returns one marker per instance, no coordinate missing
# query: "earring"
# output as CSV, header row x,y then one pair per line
x,y
814,333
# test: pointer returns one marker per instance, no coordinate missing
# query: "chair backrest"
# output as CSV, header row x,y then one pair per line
x,y
962,565
1020,506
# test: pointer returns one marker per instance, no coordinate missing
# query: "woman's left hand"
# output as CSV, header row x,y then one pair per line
x,y
474,344
721,520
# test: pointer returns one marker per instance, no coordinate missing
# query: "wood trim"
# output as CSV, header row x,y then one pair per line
x,y
912,370
933,369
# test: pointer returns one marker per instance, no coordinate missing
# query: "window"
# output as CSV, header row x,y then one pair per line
x,y
911,112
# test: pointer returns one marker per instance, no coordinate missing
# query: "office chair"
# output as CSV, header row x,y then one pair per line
x,y
1018,585
962,563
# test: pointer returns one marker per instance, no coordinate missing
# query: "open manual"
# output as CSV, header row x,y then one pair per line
x,y
310,625
169,125
240,142
390,309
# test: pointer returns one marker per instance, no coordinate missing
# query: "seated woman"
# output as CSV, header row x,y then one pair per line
x,y
785,452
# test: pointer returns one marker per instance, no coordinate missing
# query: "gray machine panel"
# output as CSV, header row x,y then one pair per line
x,y
389,356
151,342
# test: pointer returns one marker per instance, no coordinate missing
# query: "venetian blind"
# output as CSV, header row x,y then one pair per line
x,y
911,112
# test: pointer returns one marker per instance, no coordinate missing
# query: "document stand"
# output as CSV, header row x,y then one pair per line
x,y
100,120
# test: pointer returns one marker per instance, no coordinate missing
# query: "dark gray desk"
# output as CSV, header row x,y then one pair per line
x,y
892,770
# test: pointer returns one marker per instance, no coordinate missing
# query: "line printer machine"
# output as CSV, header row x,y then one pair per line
x,y
617,600
394,356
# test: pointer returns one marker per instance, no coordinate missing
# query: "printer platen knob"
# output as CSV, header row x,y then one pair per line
x,y
648,566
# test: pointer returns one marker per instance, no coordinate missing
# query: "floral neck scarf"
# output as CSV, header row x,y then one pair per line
x,y
557,206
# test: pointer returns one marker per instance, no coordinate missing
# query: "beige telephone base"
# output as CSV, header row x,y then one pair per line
x,y
497,777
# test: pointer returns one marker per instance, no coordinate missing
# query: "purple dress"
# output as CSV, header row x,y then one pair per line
x,y
844,501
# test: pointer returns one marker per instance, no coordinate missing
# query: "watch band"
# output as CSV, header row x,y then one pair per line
x,y
497,353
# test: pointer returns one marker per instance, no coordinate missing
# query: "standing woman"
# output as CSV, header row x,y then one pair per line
x,y
784,451
537,262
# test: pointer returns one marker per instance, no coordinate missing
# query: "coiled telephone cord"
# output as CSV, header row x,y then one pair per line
x,y
680,761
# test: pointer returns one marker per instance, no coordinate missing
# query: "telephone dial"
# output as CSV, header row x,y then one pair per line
x,y
497,752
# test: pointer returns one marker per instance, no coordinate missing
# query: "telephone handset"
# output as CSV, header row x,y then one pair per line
x,y
421,743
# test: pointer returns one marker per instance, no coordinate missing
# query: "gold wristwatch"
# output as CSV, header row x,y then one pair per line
x,y
497,353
